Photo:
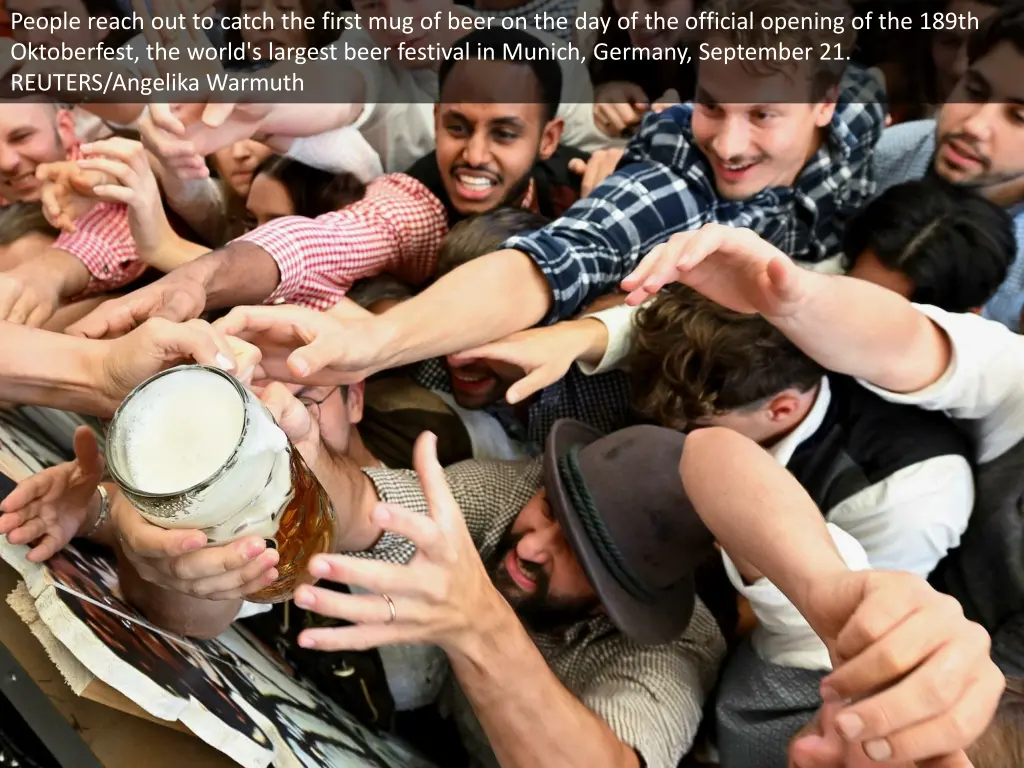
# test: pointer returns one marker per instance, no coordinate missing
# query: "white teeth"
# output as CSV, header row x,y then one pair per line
x,y
468,378
475,181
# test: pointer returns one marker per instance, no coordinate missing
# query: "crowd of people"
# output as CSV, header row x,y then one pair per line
x,y
671,415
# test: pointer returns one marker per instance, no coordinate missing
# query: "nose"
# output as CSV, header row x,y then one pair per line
x,y
979,124
240,150
9,159
732,138
541,544
478,150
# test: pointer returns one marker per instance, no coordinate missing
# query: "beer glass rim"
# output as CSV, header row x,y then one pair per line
x,y
129,487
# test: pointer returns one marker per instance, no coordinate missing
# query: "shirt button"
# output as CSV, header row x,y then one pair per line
x,y
106,270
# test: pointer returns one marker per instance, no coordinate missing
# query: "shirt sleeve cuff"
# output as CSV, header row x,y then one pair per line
x,y
282,239
104,244
556,262
619,322
937,389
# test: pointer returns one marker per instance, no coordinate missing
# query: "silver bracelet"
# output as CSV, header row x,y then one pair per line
x,y
104,512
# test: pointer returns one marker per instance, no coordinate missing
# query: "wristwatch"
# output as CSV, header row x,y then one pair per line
x,y
104,512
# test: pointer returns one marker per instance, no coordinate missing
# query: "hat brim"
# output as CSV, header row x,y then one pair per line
x,y
648,623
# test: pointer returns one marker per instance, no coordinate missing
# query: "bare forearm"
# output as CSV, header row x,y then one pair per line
x,y
297,120
854,327
237,274
51,369
757,511
59,268
173,252
200,202
481,301
174,611
529,717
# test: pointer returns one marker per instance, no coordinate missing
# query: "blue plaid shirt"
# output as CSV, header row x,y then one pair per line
x,y
664,185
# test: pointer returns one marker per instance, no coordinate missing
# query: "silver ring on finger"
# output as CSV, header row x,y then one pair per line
x,y
391,607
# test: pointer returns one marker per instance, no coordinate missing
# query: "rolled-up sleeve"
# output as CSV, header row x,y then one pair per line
x,y
103,242
599,241
397,228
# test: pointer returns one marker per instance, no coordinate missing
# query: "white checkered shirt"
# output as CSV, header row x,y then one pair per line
x,y
652,697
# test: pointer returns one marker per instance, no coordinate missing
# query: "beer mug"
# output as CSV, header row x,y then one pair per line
x,y
193,448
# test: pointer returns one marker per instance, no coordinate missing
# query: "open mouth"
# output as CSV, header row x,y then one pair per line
x,y
473,185
517,572
469,382
734,172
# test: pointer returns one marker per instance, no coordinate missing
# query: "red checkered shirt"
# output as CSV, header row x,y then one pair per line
x,y
103,243
396,228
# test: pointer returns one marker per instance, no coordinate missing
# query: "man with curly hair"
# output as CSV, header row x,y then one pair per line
x,y
894,483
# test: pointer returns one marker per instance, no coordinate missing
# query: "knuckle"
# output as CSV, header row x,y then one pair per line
x,y
177,568
938,694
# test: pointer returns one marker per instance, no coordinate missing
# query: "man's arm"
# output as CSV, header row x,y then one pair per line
x,y
529,717
872,333
51,369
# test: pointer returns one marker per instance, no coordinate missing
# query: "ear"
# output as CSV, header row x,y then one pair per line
x,y
549,138
354,402
437,118
66,129
783,406
825,109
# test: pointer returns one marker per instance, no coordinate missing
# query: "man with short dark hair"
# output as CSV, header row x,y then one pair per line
x,y
976,141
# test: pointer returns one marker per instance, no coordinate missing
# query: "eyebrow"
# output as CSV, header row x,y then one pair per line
x,y
511,122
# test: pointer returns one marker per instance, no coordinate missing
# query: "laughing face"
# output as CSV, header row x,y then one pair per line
x,y
980,131
31,134
757,131
479,383
536,571
486,151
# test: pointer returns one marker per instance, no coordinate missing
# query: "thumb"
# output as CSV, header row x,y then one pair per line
x,y
215,115
783,278
312,358
87,452
578,166
163,117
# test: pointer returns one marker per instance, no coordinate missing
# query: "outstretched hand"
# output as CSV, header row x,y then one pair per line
x,y
52,507
544,354
917,673
731,266
442,597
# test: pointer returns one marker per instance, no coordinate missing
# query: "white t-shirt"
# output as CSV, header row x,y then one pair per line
x,y
402,133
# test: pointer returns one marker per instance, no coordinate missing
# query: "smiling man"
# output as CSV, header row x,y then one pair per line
x,y
31,135
977,141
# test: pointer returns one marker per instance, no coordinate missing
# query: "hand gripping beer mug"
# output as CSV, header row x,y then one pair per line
x,y
193,448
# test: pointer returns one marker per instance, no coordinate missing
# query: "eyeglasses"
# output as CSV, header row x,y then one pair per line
x,y
309,402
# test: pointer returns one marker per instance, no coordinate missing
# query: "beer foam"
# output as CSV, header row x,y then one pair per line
x,y
180,429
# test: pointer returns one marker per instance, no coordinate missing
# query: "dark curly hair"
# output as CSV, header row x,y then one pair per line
x,y
692,359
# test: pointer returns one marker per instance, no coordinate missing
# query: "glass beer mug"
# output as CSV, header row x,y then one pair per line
x,y
193,448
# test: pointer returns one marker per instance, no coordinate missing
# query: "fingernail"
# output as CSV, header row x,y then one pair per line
x,y
381,514
319,568
851,726
878,749
193,543
301,366
307,642
224,362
